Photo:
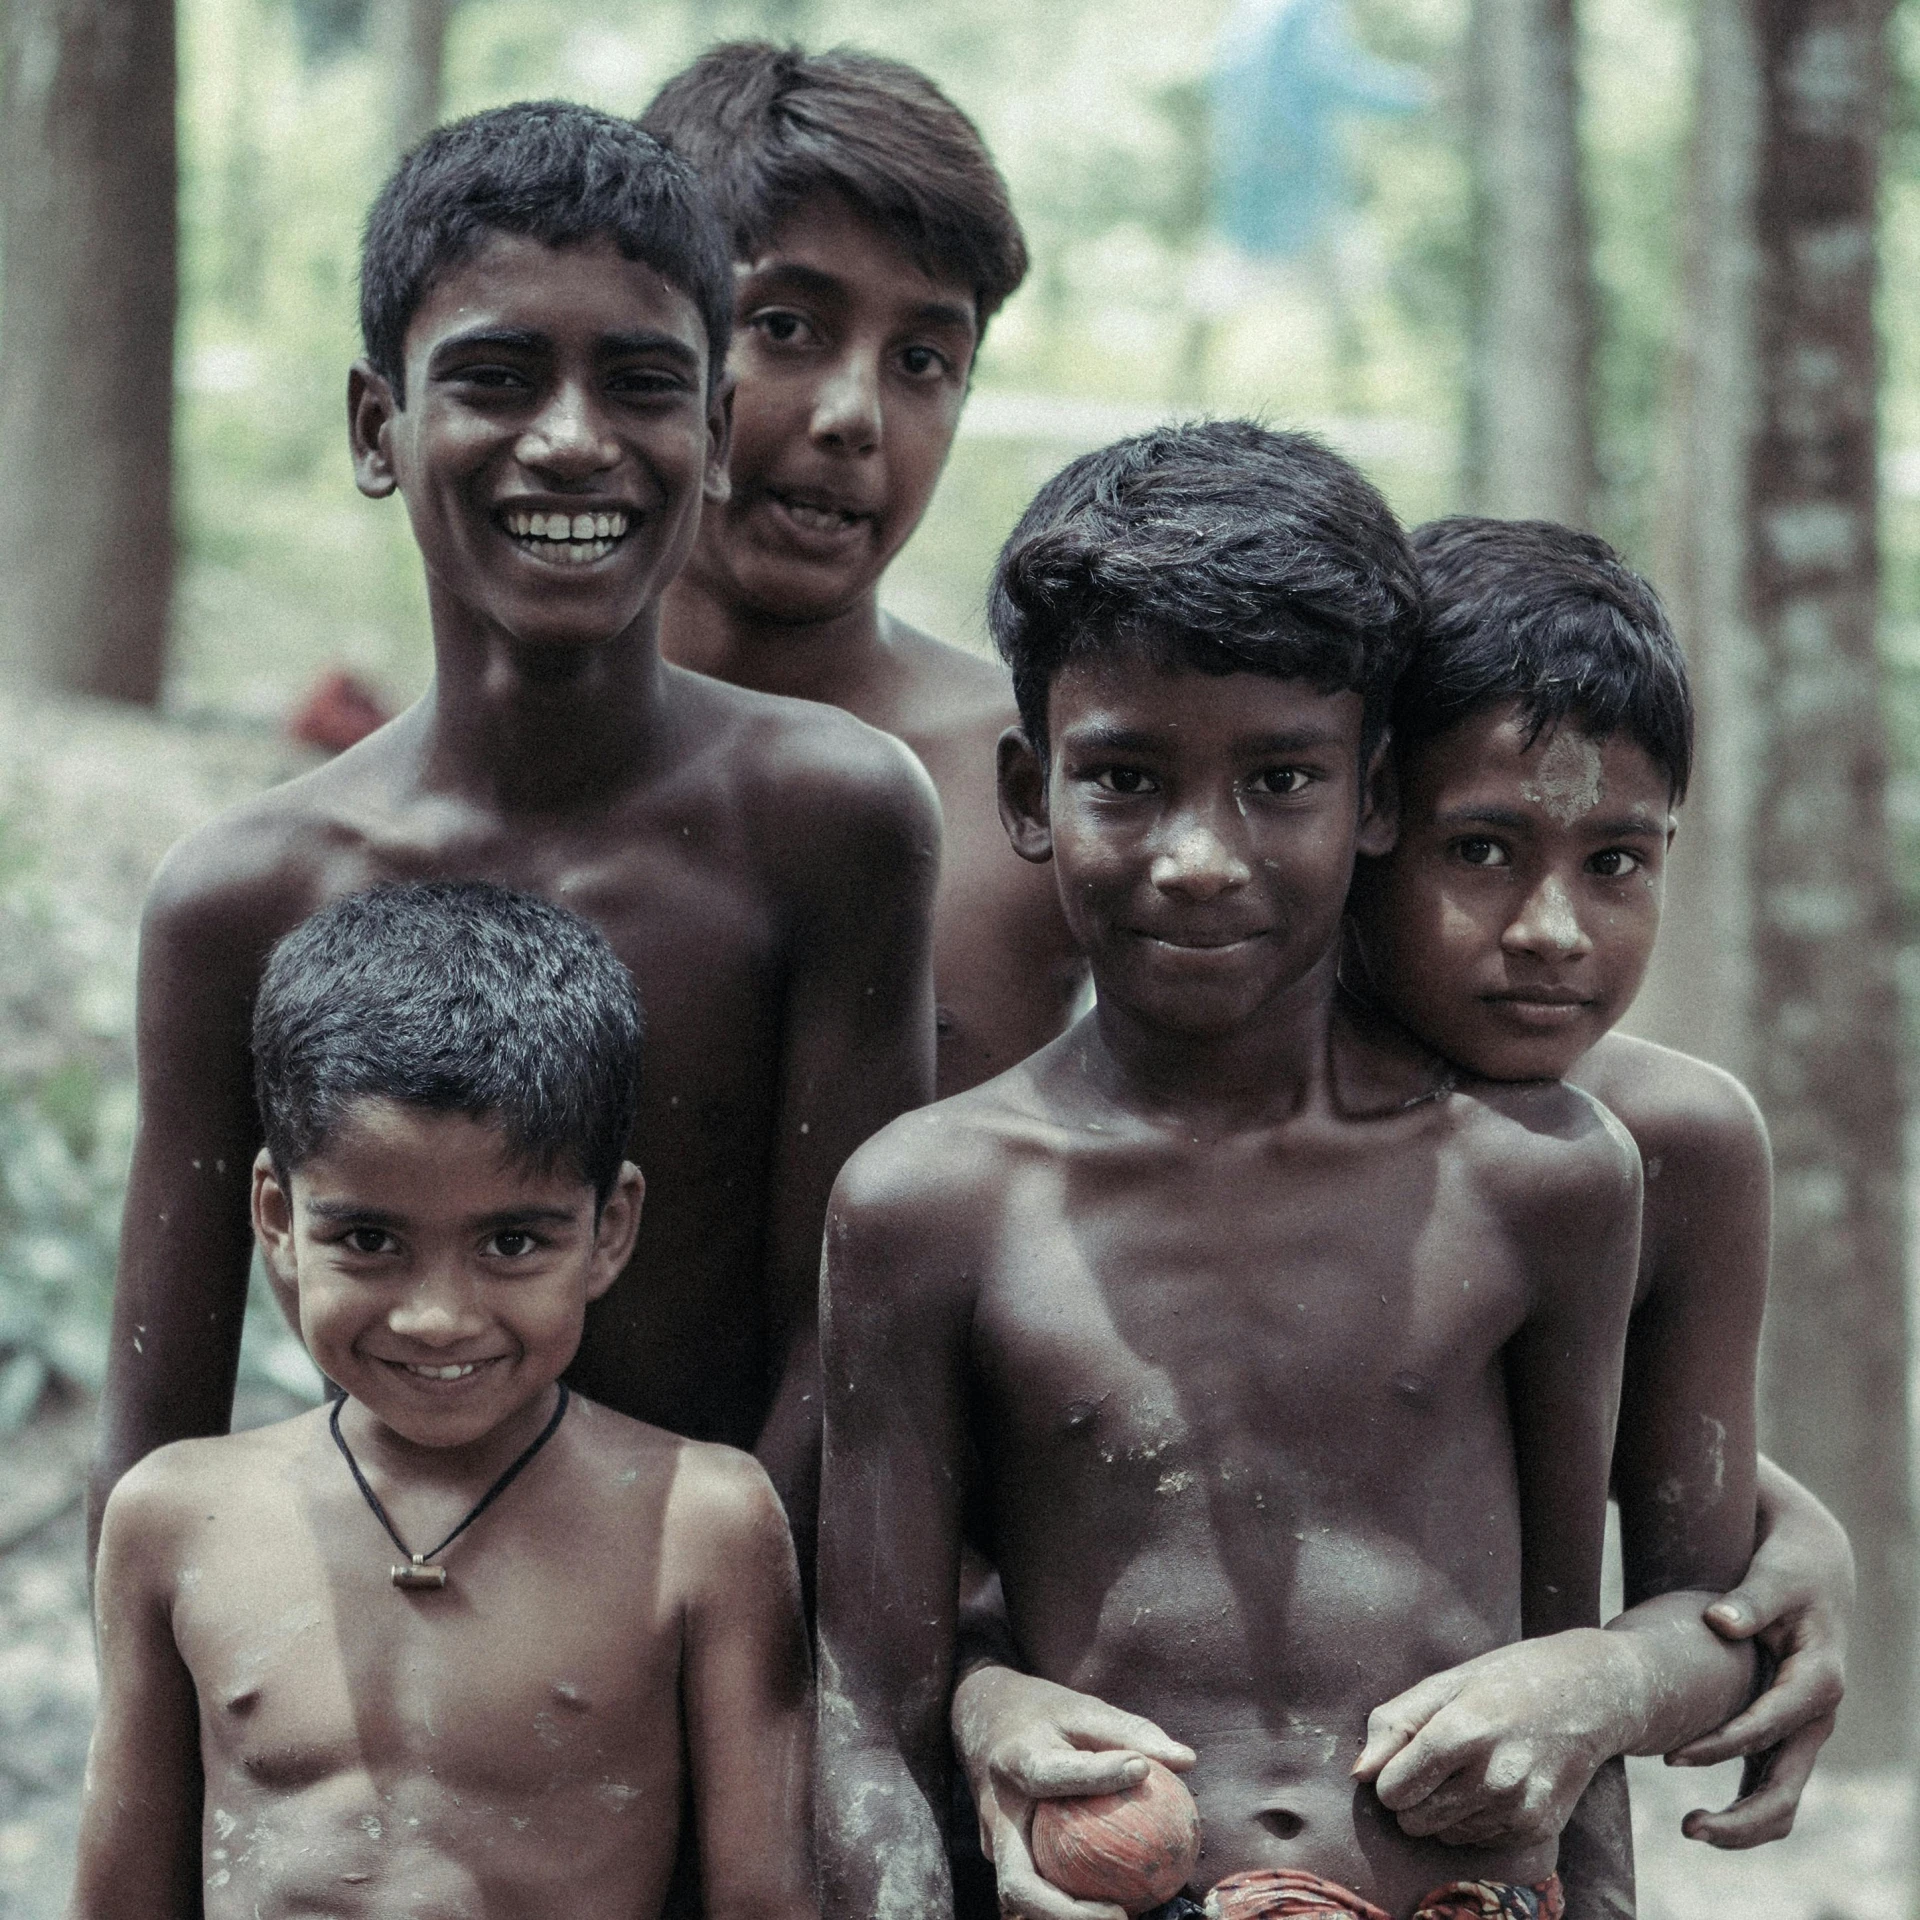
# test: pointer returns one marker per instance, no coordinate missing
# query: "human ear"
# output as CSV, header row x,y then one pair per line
x,y
272,1209
614,1230
1023,798
370,410
718,484
1379,801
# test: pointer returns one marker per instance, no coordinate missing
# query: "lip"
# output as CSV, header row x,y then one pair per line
x,y
817,520
1541,1007
431,1376
1221,942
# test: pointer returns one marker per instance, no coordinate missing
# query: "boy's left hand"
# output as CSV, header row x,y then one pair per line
x,y
1501,1747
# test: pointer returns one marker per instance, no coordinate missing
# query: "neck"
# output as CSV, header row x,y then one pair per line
x,y
386,1454
538,729
832,659
1263,1069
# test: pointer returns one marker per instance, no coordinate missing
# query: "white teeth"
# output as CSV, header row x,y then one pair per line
x,y
445,1373
573,532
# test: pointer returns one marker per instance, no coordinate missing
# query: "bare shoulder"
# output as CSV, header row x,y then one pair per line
x,y
807,775
944,694
158,1499
724,1528
260,866
1545,1144
1680,1111
941,1164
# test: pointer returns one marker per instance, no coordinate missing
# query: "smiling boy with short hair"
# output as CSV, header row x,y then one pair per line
x,y
546,306
873,241
461,1641
1289,1357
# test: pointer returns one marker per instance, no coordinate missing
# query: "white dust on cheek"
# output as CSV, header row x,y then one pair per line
x,y
1567,782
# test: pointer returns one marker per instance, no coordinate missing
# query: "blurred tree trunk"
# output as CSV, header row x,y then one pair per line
x,y
1530,432
87,201
1700,994
1827,1052
413,46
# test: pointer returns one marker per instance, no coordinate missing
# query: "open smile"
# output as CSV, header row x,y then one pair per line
x,y
442,1373
568,539
817,516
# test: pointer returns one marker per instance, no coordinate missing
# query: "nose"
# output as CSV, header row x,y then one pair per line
x,y
438,1310
1548,924
1199,857
567,438
846,405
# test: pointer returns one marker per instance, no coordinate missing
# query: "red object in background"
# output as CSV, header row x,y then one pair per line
x,y
339,713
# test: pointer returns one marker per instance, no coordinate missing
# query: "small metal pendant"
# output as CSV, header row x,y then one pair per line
x,y
419,1577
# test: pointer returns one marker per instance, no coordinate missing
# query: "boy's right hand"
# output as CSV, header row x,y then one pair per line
x,y
1023,1739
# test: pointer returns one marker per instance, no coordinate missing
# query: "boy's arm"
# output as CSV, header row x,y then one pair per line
x,y
1504,1745
894,1339
749,1705
1797,1599
185,1240
139,1844
858,1049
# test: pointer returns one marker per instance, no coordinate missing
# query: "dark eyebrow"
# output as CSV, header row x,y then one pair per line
x,y
1101,739
512,339
339,1212
1621,827
525,340
827,286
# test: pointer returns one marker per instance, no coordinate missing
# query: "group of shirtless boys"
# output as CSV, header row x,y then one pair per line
x,y
1229,1380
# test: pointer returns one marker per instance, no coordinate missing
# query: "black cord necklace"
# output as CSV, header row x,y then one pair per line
x,y
418,1575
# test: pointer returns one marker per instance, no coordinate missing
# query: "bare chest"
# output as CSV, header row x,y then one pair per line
x,y
509,1682
1232,1316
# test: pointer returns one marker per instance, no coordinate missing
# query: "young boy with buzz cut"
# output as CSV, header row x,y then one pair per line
x,y
454,1643
1289,1356
1542,734
872,241
546,299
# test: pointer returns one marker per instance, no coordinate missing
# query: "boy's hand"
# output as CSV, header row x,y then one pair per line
x,y
1502,1747
1797,1601
1023,1739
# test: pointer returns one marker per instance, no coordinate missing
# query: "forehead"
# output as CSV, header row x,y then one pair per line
x,y
406,1158
830,243
1493,759
1185,709
584,290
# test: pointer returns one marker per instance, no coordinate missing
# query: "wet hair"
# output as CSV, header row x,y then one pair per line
x,y
1530,612
459,997
771,127
1221,546
554,172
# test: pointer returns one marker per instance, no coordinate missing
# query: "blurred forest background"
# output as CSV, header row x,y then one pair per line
x,y
1645,267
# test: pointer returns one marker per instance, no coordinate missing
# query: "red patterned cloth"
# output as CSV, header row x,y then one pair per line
x,y
1285,1893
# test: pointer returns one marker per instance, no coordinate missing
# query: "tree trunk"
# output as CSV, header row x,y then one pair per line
x,y
1827,1019
1700,994
1530,432
87,195
414,45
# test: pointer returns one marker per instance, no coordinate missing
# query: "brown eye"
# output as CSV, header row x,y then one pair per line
x,y
1615,863
1480,852
1122,780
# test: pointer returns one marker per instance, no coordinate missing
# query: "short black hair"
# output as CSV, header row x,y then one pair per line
x,y
1220,545
770,127
1530,612
555,172
461,997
